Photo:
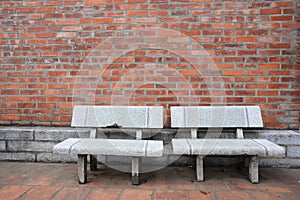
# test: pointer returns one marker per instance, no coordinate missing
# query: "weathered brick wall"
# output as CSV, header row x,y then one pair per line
x,y
55,54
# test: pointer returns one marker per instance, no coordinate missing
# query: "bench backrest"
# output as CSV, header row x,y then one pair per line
x,y
216,117
118,116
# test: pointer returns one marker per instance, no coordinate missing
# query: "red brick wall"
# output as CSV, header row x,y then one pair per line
x,y
56,54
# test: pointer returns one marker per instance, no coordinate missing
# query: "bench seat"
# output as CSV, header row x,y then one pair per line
x,y
215,118
110,147
122,118
227,147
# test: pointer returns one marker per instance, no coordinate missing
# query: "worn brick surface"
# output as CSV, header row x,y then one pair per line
x,y
72,193
12,192
136,194
59,181
40,192
109,194
56,54
226,195
169,194
194,195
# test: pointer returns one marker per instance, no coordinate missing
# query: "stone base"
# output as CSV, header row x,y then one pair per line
x,y
35,144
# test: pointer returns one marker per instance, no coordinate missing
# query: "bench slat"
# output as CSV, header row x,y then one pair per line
x,y
216,117
113,147
230,147
272,149
121,116
65,146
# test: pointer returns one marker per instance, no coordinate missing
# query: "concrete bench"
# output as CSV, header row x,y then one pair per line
x,y
218,117
124,117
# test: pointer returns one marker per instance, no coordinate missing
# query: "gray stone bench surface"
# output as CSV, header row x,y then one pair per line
x,y
216,116
231,147
112,147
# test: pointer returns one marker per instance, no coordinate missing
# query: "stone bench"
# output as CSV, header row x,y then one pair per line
x,y
215,118
124,117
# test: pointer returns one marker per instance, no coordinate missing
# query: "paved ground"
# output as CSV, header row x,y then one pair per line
x,y
58,181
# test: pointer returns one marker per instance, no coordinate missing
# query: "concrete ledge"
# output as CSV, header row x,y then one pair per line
x,y
23,139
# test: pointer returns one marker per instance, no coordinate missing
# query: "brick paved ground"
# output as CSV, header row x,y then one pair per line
x,y
58,181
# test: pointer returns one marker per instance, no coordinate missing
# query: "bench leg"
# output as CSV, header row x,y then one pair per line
x,y
93,162
199,168
82,168
135,170
253,169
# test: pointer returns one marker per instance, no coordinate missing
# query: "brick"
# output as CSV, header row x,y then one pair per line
x,y
17,156
281,18
13,192
32,4
270,11
10,117
37,41
280,46
41,192
254,100
12,133
15,61
71,193
233,72
36,29
233,195
30,146
139,195
137,13
159,13
57,134
146,20
108,194
50,157
194,195
25,10
50,54
282,4
293,151
263,195
57,73
246,39
53,3
68,22
169,194
2,146
179,39
94,2
102,20
269,66
66,34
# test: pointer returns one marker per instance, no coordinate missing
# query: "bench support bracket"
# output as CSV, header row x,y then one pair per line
x,y
135,170
199,168
253,169
194,133
239,133
82,168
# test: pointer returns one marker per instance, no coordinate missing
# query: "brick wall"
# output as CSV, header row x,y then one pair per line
x,y
55,54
